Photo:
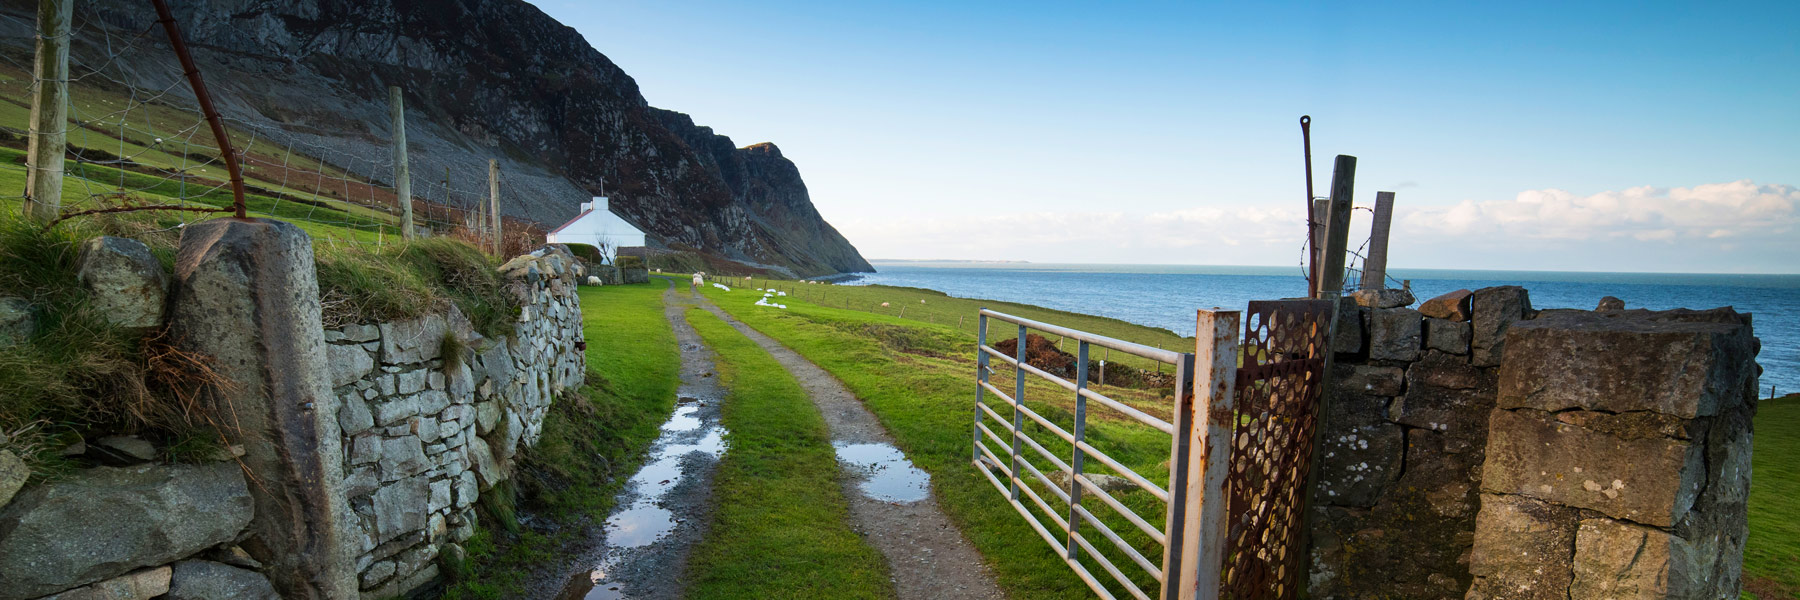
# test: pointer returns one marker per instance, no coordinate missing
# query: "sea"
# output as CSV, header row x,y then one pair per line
x,y
1166,296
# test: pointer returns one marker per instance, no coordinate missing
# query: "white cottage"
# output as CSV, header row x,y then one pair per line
x,y
597,226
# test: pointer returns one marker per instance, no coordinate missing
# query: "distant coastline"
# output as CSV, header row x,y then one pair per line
x,y
962,261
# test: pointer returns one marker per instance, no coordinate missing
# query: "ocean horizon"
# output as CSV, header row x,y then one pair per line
x,y
1165,296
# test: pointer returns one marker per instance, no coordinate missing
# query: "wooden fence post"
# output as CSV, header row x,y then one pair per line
x,y
494,202
1375,264
402,171
1206,419
49,134
1337,227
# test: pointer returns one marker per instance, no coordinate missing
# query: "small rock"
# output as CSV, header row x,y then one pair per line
x,y
76,449
207,580
1453,306
126,282
1383,298
140,585
1610,303
12,476
129,446
17,320
235,556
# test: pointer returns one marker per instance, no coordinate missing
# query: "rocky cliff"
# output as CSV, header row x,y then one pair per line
x,y
484,79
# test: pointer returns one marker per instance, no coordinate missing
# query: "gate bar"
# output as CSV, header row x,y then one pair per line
x,y
1156,354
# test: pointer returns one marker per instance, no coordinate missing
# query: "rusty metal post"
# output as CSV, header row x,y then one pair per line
x,y
167,19
1204,460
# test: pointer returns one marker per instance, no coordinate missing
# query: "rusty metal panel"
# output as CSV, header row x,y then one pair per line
x,y
1277,412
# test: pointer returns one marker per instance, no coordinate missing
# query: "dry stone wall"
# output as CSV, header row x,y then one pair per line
x,y
1477,447
361,450
426,433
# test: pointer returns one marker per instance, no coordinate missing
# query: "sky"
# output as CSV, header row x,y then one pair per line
x,y
1600,137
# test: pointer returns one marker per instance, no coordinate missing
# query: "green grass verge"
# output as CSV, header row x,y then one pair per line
x,y
904,306
780,526
593,440
1772,554
918,380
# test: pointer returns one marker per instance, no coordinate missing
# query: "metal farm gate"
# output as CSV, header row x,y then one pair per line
x,y
1241,440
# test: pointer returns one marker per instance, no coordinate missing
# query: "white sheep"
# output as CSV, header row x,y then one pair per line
x,y
592,280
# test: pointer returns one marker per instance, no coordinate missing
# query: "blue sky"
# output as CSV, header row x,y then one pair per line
x,y
1611,137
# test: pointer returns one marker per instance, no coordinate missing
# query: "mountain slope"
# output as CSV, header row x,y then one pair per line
x,y
483,79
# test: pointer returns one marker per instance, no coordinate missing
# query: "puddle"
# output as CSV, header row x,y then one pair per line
x,y
888,476
638,526
684,420
644,522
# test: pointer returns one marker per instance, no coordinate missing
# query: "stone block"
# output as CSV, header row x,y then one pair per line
x,y
410,382
1448,371
1614,559
1348,334
138,585
1449,336
365,449
432,402
402,456
1453,306
349,364
466,489
1628,361
401,507
353,415
246,292
18,320
104,522
1382,298
1460,414
396,410
440,495
1523,549
487,470
1395,334
1493,310
13,474
124,281
360,333
207,580
412,340
1648,480
1366,379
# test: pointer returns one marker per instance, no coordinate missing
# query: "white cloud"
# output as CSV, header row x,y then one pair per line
x,y
1650,214
1736,226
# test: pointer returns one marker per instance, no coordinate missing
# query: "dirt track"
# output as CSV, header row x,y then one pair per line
x,y
890,501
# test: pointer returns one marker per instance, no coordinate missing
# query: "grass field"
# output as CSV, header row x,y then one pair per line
x,y
1772,554
780,523
593,440
917,378
959,313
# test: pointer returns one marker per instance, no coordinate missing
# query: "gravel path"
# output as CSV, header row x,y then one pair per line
x,y
890,500
663,511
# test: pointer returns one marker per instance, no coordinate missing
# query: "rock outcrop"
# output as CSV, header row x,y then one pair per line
x,y
483,79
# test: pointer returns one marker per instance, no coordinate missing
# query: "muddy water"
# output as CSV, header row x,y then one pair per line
x,y
890,499
662,511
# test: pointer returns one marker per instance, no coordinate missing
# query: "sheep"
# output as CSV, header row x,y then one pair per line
x,y
592,280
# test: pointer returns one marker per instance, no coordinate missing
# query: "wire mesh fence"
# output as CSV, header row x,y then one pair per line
x,y
147,149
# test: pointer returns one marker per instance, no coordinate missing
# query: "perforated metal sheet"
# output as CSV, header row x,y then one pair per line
x,y
1277,408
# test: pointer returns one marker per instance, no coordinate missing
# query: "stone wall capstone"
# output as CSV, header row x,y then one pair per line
x,y
427,433
1619,457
